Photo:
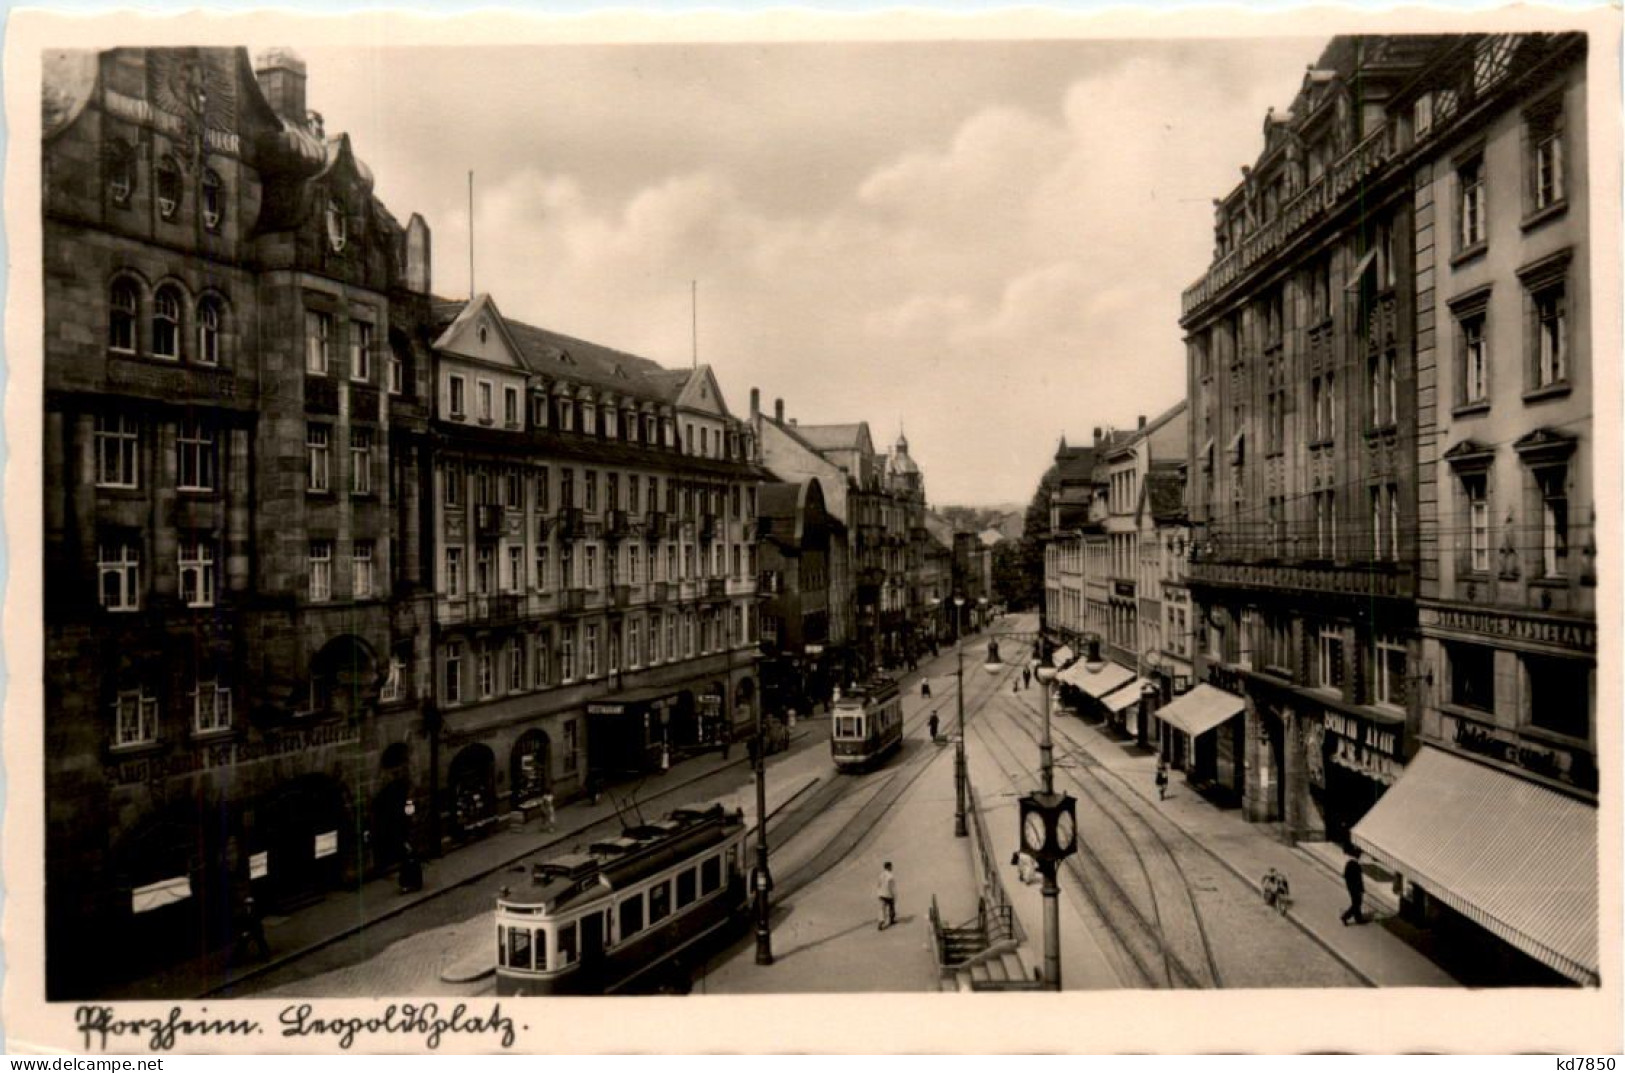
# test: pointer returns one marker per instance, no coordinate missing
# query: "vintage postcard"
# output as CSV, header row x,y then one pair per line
x,y
795,533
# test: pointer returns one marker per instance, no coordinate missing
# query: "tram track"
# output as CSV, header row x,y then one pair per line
x,y
1156,922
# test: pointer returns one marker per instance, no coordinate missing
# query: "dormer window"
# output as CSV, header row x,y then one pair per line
x,y
214,201
120,172
337,226
169,187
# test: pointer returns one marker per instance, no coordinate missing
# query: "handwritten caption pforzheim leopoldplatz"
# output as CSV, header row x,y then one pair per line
x,y
103,1028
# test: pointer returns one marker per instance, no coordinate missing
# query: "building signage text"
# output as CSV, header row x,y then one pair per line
x,y
1363,747
232,754
1575,635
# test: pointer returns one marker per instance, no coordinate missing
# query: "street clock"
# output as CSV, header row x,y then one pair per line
x,y
1049,829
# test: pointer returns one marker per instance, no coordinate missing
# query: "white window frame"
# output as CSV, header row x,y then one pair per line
x,y
516,568
319,457
195,560
516,665
361,351
166,311
589,650
118,451
510,406
486,400
455,397
361,569
452,673
318,333
208,331
137,710
1382,683
1551,349
454,571
120,560
320,561
360,461
211,706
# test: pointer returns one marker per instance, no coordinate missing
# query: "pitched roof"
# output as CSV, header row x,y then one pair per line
x,y
832,437
554,353
1165,492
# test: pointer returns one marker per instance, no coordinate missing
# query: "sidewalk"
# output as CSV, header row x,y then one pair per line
x,y
1373,953
825,937
343,913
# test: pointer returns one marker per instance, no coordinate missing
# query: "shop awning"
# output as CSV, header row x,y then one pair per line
x,y
1512,856
1124,696
633,700
1202,709
1097,683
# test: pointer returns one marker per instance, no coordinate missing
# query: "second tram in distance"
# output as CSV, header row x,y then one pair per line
x,y
867,725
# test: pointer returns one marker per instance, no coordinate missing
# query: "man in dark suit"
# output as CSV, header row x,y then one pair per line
x,y
1354,880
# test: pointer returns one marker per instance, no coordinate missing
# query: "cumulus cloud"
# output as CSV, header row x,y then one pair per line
x,y
990,282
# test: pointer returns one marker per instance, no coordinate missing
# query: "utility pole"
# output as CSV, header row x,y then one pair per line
x,y
764,880
960,828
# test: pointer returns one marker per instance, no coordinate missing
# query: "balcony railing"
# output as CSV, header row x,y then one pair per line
x,y
688,590
742,586
655,526
572,600
488,523
708,527
572,523
658,592
615,524
716,588
619,596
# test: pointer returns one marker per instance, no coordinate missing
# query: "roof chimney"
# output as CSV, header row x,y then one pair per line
x,y
1142,420
1097,435
755,402
778,410
281,75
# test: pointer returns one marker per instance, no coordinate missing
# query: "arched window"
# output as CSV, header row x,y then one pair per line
x,y
208,331
166,324
214,201
169,187
122,302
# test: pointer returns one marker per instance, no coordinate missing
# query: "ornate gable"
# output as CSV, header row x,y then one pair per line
x,y
479,332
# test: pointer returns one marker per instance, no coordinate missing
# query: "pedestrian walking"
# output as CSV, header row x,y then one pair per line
x,y
1026,678
253,931
931,725
925,688
1162,781
1015,685
548,814
887,890
1354,880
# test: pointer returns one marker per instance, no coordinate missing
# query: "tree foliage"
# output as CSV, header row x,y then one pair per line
x,y
1018,566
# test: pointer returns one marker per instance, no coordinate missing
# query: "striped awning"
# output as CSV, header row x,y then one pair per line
x,y
1098,682
1124,696
1514,857
1202,709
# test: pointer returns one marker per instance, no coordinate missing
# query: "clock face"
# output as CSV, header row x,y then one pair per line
x,y
1032,832
1065,831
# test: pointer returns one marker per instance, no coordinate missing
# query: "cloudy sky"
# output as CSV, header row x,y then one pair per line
x,y
982,242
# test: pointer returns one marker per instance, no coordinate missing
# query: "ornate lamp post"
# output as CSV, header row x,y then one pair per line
x,y
1049,833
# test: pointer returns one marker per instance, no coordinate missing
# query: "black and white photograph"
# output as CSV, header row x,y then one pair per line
x,y
764,522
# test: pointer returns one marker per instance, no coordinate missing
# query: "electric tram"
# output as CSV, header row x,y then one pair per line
x,y
867,725
596,922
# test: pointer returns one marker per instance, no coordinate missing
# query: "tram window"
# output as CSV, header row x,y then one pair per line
x,y
847,727
502,945
567,944
632,916
660,901
710,874
519,945
685,887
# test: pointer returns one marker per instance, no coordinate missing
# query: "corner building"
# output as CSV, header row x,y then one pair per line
x,y
226,529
